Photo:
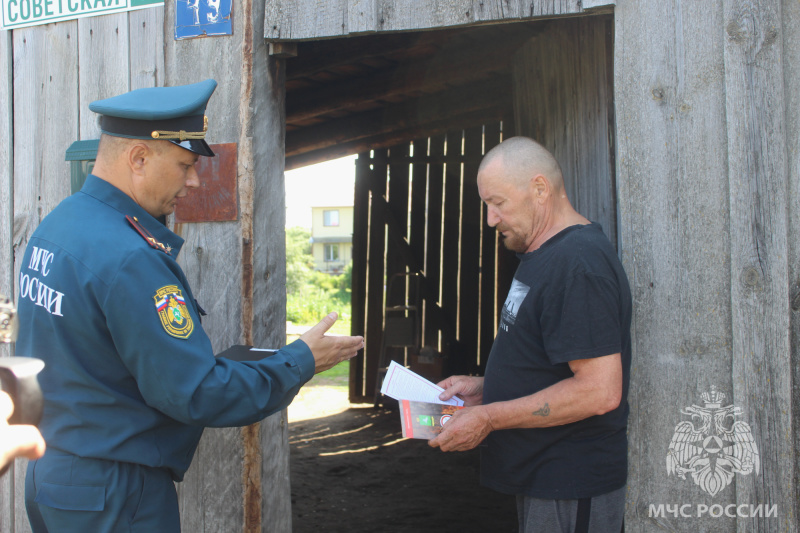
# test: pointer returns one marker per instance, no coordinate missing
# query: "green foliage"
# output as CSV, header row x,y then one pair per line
x,y
310,295
299,261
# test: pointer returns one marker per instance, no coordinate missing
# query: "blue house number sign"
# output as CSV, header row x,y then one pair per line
x,y
201,18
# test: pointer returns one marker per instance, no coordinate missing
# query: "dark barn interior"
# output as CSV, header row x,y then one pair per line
x,y
420,110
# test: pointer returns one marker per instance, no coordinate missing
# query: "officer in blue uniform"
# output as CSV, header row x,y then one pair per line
x,y
131,379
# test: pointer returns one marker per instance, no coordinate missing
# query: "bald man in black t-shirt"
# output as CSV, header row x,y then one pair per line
x,y
551,410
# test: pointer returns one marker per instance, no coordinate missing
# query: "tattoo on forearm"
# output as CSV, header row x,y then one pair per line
x,y
544,411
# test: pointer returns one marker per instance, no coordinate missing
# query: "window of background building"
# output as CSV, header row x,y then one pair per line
x,y
331,252
330,217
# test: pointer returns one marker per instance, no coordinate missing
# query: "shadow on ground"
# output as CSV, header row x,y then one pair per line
x,y
353,472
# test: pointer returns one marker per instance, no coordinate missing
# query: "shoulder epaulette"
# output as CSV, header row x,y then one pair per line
x,y
147,236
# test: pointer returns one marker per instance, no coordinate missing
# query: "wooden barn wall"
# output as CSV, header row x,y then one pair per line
x,y
305,19
237,269
708,202
45,99
449,244
9,491
216,277
563,98
791,60
240,271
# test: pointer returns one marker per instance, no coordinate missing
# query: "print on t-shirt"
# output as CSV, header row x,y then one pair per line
x,y
516,294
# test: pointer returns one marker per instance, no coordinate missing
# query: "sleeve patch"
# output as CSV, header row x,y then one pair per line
x,y
172,311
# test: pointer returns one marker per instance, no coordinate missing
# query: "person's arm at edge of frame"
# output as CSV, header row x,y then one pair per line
x,y
17,440
594,389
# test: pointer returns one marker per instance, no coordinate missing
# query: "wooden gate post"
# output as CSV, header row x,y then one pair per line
x,y
239,480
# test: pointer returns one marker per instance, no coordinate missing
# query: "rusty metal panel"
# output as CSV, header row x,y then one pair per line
x,y
216,199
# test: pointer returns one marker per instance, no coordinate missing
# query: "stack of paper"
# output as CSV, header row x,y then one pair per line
x,y
422,413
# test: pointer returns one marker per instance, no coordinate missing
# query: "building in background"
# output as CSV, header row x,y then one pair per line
x,y
332,237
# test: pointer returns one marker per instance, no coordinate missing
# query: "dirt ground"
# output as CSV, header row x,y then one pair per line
x,y
352,471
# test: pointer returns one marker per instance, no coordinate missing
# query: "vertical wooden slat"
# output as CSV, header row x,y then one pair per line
x,y
359,283
505,260
594,169
488,265
757,178
146,27
469,310
451,234
264,105
419,188
562,94
361,16
396,234
375,264
791,61
45,124
6,236
103,48
434,240
675,247
6,164
222,487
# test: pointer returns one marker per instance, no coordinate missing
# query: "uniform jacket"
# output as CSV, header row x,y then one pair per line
x,y
130,374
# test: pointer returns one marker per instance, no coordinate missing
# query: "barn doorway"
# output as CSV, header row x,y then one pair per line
x,y
420,109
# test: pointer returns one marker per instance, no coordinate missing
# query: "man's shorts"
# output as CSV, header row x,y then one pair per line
x,y
600,514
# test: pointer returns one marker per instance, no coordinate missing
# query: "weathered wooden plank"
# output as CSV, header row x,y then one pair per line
x,y
419,193
506,262
597,4
362,16
45,124
376,278
6,165
103,51
397,199
594,168
497,10
227,263
145,34
791,61
297,19
674,236
397,15
433,272
265,474
7,235
359,284
563,95
451,235
397,207
759,276
307,19
488,310
469,301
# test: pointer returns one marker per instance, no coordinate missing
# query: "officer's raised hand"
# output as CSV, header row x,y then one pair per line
x,y
330,351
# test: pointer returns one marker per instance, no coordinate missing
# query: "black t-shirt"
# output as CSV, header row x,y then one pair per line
x,y
570,300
